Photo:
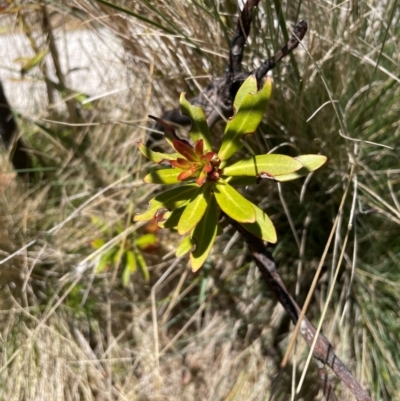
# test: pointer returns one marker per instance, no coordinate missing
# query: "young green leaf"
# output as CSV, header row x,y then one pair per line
x,y
184,247
156,157
310,163
195,209
248,86
163,176
130,267
169,200
142,266
199,128
130,261
105,260
97,243
126,275
233,204
270,165
204,235
29,63
262,227
146,240
245,121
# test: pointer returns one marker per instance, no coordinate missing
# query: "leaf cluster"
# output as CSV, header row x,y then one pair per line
x,y
208,178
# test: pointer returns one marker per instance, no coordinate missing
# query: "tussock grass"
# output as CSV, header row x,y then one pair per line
x,y
69,333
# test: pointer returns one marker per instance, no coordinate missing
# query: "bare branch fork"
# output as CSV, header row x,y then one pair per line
x,y
217,98
217,103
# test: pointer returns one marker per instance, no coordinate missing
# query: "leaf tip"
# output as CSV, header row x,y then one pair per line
x,y
194,264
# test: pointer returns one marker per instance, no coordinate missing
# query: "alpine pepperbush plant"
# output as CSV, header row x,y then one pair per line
x,y
203,180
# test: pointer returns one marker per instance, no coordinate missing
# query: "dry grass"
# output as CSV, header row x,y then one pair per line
x,y
69,333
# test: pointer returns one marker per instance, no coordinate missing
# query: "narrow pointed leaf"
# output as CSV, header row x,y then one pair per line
x,y
142,266
233,203
269,165
195,209
246,120
156,157
204,235
262,227
185,174
310,163
184,247
131,261
199,128
168,200
126,276
186,150
163,176
169,130
29,63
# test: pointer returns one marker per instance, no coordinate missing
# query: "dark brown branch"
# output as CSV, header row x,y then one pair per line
x,y
70,103
240,37
323,352
217,98
298,34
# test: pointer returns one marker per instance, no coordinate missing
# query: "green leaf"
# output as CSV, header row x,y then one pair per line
x,y
204,235
169,200
233,204
195,209
130,261
156,157
163,176
262,227
145,240
105,260
242,181
268,165
130,267
310,163
248,86
172,218
199,128
126,275
142,266
97,243
29,63
248,115
184,247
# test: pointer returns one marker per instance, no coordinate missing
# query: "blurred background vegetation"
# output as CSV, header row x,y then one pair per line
x,y
95,307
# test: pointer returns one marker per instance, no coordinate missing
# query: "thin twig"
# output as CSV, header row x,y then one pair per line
x,y
323,352
216,100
